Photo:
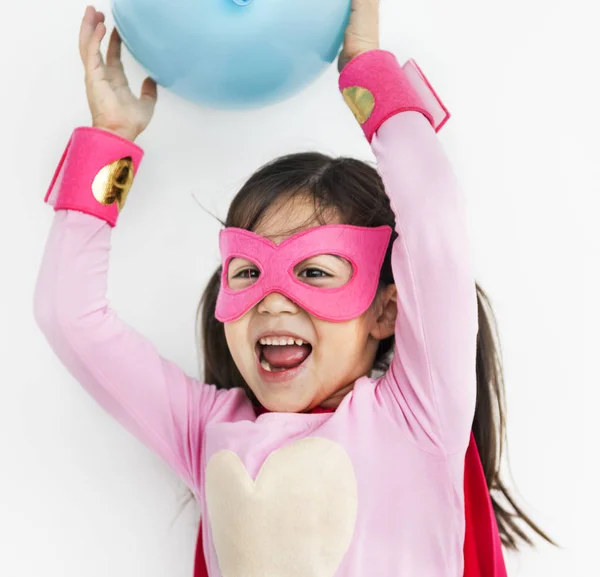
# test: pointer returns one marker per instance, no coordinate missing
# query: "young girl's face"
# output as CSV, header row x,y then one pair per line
x,y
340,352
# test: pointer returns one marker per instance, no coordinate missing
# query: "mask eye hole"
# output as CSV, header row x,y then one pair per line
x,y
324,271
241,273
320,271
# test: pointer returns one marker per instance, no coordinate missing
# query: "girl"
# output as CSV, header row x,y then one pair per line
x,y
351,379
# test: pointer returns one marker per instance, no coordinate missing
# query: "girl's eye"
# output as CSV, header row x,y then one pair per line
x,y
247,273
324,271
314,273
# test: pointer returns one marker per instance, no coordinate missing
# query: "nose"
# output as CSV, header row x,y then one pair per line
x,y
276,303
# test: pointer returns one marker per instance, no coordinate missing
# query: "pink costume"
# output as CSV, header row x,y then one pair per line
x,y
372,489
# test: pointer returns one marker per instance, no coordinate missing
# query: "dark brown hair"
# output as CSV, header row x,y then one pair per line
x,y
356,192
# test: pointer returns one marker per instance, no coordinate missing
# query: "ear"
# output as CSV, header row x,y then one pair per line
x,y
386,311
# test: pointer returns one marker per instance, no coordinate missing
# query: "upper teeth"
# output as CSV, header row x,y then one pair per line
x,y
281,341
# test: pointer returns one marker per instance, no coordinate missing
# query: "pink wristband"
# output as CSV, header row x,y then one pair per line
x,y
376,87
95,174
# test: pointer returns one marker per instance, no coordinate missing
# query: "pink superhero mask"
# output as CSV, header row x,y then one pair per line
x,y
363,247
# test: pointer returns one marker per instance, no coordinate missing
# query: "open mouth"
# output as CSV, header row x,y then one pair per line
x,y
277,354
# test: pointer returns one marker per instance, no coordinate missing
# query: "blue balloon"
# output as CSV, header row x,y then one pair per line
x,y
233,53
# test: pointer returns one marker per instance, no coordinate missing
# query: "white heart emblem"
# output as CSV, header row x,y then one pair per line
x,y
296,519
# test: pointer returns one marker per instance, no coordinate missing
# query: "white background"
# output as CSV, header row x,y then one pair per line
x,y
78,496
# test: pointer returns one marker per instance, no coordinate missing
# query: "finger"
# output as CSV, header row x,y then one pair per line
x,y
364,21
365,4
88,24
94,59
113,53
91,34
149,92
366,10
91,17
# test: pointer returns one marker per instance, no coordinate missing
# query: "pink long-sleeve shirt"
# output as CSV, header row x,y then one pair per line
x,y
374,488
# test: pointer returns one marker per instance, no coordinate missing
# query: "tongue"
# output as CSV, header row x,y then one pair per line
x,y
285,356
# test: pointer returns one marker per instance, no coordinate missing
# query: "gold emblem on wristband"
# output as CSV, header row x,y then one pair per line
x,y
113,182
361,101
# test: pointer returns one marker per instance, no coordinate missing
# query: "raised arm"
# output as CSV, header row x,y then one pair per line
x,y
149,395
432,379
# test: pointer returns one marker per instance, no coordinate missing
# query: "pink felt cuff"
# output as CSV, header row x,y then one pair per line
x,y
376,87
95,174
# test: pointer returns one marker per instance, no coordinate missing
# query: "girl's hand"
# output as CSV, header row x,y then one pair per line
x,y
112,104
362,33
